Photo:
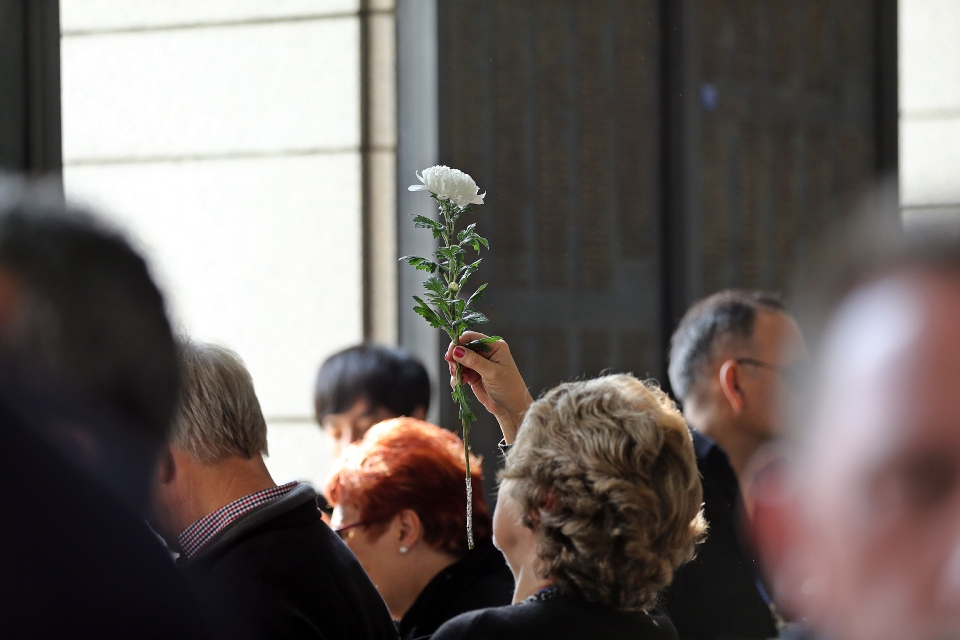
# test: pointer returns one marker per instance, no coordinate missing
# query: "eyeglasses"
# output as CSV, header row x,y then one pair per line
x,y
344,531
796,374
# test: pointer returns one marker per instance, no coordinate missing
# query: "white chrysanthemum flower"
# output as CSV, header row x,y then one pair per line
x,y
450,184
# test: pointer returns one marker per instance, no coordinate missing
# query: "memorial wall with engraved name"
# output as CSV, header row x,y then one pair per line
x,y
553,107
623,183
783,134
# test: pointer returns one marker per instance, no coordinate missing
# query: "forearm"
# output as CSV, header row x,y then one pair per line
x,y
510,420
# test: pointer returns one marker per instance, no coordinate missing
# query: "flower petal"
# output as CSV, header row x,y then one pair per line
x,y
416,187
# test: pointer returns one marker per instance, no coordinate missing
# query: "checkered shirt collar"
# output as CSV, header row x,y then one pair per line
x,y
197,535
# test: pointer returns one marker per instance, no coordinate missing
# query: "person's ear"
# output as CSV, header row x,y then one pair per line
x,y
410,528
419,412
730,385
548,503
166,467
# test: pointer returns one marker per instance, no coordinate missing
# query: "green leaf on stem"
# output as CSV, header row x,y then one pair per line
x,y
468,270
474,317
423,222
436,285
476,294
466,236
451,253
461,398
421,264
424,310
482,345
470,238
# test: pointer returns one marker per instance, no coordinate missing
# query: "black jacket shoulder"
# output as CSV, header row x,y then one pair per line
x,y
481,579
717,593
77,561
564,617
290,576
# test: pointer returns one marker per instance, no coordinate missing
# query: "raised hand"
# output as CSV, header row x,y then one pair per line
x,y
495,380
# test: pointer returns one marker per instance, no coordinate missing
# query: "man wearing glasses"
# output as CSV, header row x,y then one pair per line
x,y
734,360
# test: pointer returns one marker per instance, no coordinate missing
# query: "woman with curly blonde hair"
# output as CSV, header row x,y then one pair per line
x,y
599,504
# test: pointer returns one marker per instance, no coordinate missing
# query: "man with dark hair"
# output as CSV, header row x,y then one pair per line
x,y
733,357
366,384
88,383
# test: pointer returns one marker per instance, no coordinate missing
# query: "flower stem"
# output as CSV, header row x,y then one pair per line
x,y
449,235
466,452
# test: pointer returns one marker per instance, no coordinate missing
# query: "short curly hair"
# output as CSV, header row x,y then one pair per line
x,y
609,466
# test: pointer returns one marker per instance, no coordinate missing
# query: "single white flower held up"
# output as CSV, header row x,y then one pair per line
x,y
442,305
449,184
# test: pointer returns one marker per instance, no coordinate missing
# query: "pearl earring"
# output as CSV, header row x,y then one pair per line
x,y
403,549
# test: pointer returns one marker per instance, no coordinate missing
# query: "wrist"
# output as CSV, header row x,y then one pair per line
x,y
508,426
510,421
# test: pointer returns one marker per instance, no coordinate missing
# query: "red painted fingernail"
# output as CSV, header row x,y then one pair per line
x,y
459,352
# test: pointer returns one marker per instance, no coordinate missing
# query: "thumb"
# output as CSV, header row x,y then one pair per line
x,y
472,360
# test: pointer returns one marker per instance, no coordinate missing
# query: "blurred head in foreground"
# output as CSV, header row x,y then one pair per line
x,y
600,495
88,383
399,503
81,320
360,386
862,526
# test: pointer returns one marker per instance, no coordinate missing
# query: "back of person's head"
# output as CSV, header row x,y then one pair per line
x,y
608,464
90,321
723,320
405,463
384,378
218,415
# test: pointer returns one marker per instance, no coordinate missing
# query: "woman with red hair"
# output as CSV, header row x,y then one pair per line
x,y
399,503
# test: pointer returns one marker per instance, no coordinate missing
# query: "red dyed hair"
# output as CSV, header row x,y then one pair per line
x,y
406,463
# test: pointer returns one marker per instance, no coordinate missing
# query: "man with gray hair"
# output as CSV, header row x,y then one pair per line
x,y
732,359
259,550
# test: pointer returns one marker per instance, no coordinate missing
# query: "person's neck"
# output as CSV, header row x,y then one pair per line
x,y
426,563
739,445
528,582
213,486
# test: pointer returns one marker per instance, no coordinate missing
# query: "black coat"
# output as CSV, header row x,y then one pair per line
x,y
286,574
562,617
77,561
478,581
718,593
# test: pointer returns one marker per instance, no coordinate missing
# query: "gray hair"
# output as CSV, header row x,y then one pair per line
x,y
727,315
219,415
615,461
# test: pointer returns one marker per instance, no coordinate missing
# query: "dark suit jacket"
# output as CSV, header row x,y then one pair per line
x,y
717,594
77,562
563,617
480,580
286,574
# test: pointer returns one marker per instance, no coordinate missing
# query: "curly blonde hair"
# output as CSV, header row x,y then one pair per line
x,y
608,464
